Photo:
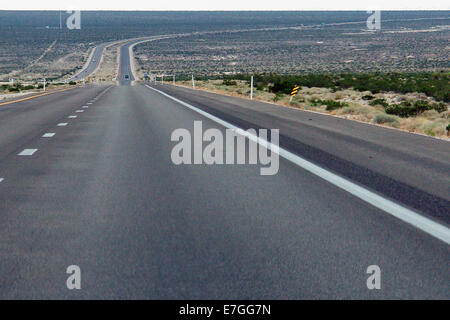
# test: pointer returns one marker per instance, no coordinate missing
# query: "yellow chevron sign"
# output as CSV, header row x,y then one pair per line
x,y
295,91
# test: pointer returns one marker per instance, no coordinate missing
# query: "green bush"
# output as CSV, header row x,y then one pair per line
x,y
402,110
407,109
278,96
385,118
380,102
228,82
440,107
331,104
259,86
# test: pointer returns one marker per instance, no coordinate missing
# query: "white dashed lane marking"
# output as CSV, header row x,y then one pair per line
x,y
85,107
48,135
1,179
63,124
79,111
27,152
72,117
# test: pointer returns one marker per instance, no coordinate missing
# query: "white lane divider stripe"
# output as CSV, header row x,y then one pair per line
x,y
1,179
27,152
62,124
48,135
85,107
429,226
79,111
72,117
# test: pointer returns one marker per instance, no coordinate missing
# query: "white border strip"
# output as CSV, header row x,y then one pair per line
x,y
435,229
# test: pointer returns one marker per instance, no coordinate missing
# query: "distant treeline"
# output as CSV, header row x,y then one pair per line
x,y
433,84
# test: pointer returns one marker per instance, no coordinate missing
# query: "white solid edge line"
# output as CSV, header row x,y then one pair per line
x,y
435,229
27,152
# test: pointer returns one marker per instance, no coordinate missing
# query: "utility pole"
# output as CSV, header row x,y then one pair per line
x,y
251,88
174,79
193,82
44,84
60,20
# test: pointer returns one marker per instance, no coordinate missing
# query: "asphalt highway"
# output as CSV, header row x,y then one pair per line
x,y
125,76
86,179
409,168
92,65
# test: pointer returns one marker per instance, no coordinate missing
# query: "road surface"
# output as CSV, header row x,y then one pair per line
x,y
102,193
92,65
125,74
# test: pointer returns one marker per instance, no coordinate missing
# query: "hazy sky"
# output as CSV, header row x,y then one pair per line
x,y
224,5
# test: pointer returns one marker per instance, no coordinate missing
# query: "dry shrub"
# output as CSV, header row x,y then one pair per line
x,y
383,118
413,124
431,114
435,127
356,109
338,96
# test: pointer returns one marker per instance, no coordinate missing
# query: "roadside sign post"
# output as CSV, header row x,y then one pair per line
x,y
193,82
251,88
44,84
294,93
173,79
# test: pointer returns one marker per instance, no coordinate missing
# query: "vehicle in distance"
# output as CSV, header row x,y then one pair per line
x,y
127,77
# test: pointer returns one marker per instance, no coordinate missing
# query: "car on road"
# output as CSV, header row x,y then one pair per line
x,y
127,77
